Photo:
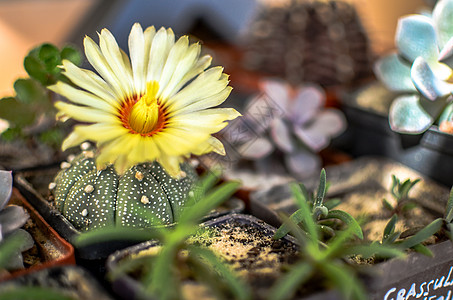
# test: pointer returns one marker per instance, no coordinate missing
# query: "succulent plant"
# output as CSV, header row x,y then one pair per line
x,y
12,218
92,198
290,123
308,41
421,70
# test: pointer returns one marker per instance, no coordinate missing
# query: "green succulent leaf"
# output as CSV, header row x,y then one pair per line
x,y
15,112
348,220
415,36
426,81
407,115
42,64
72,54
345,281
443,21
29,91
395,73
332,203
297,217
387,204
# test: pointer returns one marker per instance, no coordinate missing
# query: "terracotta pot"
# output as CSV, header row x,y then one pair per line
x,y
53,249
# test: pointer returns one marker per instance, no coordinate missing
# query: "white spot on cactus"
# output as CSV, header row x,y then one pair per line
x,y
89,188
85,212
88,154
65,165
52,185
139,176
144,200
71,157
85,146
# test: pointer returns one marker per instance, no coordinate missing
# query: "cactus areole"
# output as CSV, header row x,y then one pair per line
x,y
90,198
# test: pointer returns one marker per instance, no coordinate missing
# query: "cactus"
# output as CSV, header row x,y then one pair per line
x,y
308,41
91,198
12,218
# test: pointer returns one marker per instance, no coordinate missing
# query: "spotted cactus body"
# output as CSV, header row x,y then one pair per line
x,y
90,198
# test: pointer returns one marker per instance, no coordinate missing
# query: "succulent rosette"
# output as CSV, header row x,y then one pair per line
x,y
421,70
291,122
157,105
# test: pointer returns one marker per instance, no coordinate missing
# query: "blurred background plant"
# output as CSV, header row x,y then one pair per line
x,y
29,116
284,128
13,239
421,71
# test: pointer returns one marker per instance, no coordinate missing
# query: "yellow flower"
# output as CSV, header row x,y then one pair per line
x,y
157,105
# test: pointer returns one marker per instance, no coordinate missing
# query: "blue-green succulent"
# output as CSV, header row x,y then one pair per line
x,y
13,239
421,70
91,198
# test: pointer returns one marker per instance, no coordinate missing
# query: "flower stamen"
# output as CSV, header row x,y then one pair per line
x,y
144,114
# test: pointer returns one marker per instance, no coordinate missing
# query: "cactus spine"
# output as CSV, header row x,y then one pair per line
x,y
92,198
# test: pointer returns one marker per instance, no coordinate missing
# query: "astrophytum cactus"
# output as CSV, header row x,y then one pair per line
x,y
145,194
146,113
421,70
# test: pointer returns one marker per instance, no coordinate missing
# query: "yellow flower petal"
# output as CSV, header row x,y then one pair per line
x,y
160,47
85,114
81,97
98,61
89,81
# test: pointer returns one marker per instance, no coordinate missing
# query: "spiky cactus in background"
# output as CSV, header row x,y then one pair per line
x,y
146,115
308,41
12,218
92,198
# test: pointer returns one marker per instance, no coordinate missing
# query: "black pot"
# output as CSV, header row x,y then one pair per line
x,y
129,288
369,133
71,280
418,276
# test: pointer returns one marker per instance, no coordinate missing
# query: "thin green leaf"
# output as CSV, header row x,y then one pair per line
x,y
391,238
374,249
212,200
345,281
337,245
422,249
389,228
238,288
108,234
33,293
449,209
284,229
321,193
332,203
302,195
387,205
348,220
286,286
307,219
163,276
422,235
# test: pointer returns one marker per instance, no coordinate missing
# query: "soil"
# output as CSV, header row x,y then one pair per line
x,y
249,250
